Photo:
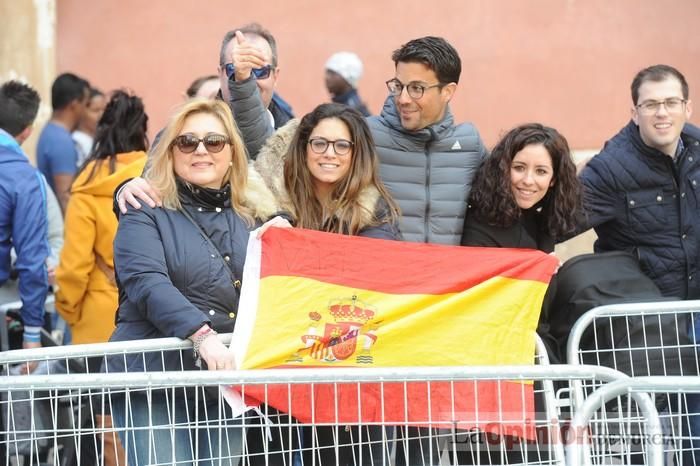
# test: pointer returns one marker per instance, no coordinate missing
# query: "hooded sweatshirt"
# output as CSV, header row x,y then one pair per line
x,y
87,296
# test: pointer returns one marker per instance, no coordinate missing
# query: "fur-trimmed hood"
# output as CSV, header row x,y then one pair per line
x,y
266,190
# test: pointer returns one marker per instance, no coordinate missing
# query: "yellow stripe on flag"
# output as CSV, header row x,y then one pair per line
x,y
488,324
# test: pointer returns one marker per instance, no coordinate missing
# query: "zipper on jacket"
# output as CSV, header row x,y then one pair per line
x,y
677,177
426,220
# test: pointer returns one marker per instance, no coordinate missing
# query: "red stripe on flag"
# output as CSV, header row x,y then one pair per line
x,y
396,267
502,408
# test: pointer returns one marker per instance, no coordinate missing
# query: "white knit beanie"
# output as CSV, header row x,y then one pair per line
x,y
346,64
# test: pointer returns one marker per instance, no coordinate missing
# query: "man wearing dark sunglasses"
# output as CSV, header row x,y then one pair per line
x,y
248,73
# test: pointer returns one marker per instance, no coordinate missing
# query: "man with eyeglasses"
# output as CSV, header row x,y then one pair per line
x,y
642,192
426,160
248,74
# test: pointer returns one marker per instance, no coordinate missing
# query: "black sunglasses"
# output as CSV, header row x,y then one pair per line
x,y
188,143
259,73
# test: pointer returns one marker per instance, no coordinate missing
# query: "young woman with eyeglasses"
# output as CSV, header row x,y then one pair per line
x,y
323,170
179,272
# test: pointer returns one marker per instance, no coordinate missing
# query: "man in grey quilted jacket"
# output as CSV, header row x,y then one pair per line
x,y
426,160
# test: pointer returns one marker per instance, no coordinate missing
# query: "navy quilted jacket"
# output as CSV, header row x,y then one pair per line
x,y
171,280
641,200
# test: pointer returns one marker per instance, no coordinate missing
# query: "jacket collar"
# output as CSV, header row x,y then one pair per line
x,y
345,97
10,147
631,132
207,198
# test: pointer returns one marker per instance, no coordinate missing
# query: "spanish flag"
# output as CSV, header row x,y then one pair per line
x,y
313,299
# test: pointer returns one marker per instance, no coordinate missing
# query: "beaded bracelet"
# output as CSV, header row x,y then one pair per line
x,y
197,341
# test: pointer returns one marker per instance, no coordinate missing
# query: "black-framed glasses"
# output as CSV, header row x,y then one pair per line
x,y
259,73
415,90
672,105
340,146
188,143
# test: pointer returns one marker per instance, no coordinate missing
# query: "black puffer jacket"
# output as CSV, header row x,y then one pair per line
x,y
641,200
171,281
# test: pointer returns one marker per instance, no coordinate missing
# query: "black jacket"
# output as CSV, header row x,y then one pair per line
x,y
633,344
643,201
527,233
171,280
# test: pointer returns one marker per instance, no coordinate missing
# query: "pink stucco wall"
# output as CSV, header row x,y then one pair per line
x,y
567,63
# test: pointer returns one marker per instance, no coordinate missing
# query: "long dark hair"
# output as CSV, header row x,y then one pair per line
x,y
121,129
492,201
345,213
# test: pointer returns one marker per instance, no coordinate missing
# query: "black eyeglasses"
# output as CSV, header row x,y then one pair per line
x,y
340,146
188,143
259,73
415,90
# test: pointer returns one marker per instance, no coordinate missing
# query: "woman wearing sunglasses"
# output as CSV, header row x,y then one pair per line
x,y
179,270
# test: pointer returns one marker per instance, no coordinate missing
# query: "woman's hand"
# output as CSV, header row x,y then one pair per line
x,y
138,188
277,222
216,355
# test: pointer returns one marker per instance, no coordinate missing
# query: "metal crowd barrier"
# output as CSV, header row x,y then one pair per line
x,y
56,415
640,340
651,435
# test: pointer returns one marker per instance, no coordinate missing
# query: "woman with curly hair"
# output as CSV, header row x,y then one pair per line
x,y
526,194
